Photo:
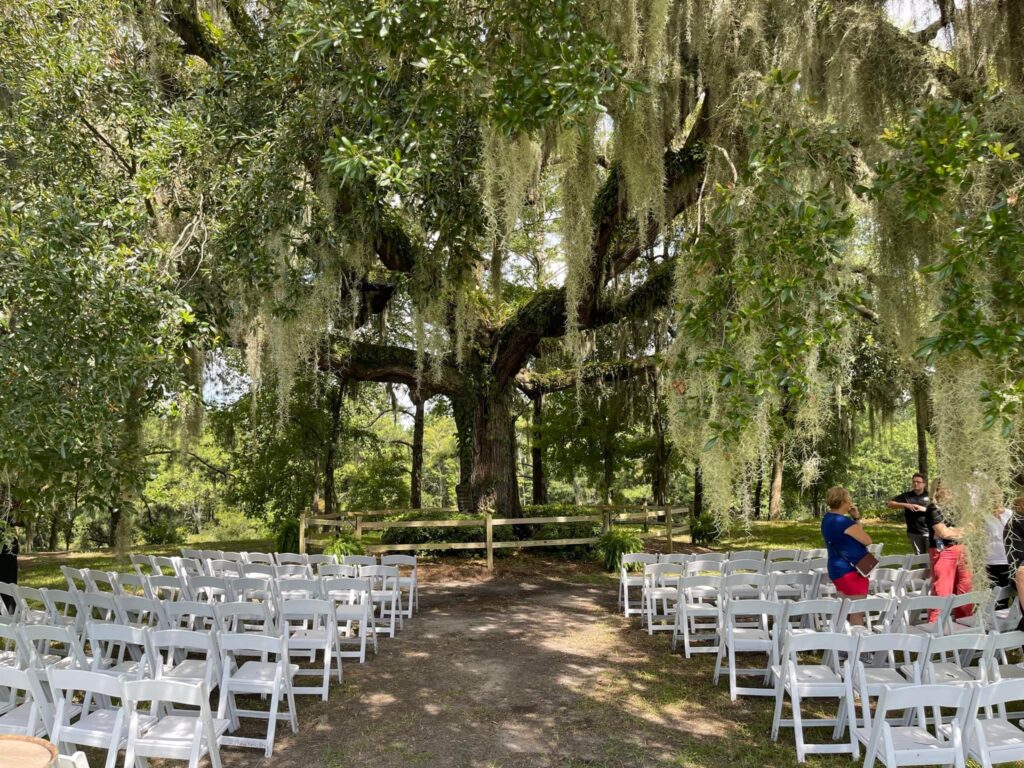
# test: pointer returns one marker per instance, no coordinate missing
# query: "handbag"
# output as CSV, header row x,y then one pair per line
x,y
866,564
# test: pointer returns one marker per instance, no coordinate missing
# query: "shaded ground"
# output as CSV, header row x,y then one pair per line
x,y
533,667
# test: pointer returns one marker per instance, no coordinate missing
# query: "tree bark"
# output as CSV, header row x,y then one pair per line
x,y
659,459
416,476
922,419
462,410
775,501
698,492
495,486
540,485
758,489
54,529
608,473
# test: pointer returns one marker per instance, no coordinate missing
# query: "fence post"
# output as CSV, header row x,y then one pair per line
x,y
489,539
645,516
302,533
668,527
359,527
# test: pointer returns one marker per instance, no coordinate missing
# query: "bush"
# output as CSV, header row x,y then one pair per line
x,y
582,530
704,530
345,543
158,526
615,543
286,535
432,535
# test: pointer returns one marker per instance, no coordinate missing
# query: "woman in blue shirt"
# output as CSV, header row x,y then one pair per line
x,y
846,542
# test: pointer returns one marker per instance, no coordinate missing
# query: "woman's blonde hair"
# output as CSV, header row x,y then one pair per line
x,y
940,491
1018,505
836,495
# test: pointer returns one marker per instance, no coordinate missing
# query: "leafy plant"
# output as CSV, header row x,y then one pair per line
x,y
705,530
287,536
345,543
615,543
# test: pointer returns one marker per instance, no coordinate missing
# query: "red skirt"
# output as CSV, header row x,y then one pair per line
x,y
851,584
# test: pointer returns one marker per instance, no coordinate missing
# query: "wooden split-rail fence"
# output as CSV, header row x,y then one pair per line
x,y
657,521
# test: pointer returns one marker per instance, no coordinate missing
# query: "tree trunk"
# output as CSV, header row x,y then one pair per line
x,y
698,492
54,529
608,474
659,461
922,419
540,485
775,500
416,477
330,452
495,486
462,410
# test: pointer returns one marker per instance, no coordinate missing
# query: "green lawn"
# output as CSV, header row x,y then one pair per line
x,y
787,534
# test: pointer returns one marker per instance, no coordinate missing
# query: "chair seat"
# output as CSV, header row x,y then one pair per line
x,y
175,730
1011,671
950,673
102,721
809,674
308,636
633,581
662,593
124,668
1000,733
914,737
886,676
16,721
931,629
188,670
260,672
349,612
745,593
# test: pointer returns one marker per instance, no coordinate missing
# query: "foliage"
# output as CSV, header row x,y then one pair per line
x,y
431,535
705,530
159,526
616,542
344,543
286,537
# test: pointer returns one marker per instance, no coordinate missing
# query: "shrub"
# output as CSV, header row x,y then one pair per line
x,y
159,527
704,530
582,530
432,535
287,535
615,543
345,543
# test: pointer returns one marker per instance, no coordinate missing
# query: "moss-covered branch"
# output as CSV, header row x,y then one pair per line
x,y
533,383
392,364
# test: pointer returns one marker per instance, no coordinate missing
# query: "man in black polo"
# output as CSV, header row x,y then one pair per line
x,y
913,503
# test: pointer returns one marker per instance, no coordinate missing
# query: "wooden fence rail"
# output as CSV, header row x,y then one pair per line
x,y
606,515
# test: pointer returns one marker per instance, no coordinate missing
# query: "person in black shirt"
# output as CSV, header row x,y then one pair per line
x,y
9,563
913,503
1013,539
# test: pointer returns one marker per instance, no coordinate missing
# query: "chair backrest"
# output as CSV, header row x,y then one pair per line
x,y
678,557
360,560
838,642
700,589
27,682
998,694
788,566
892,561
136,639
75,760
258,588
38,639
766,608
169,692
142,611
164,566
695,567
258,558
242,643
244,617
29,599
189,567
660,574
167,588
895,648
99,581
209,589
819,614
318,611
917,561
954,647
784,554
817,564
877,611
995,653
98,606
381,575
74,577
131,584
290,558
71,681
316,560
336,571
923,697
143,564
195,554
739,584
259,570
289,588
885,580
976,600
913,609
184,613
801,583
168,642
211,554
402,561
876,548
745,565
61,604
292,571
346,590
814,554
224,568
234,557
744,554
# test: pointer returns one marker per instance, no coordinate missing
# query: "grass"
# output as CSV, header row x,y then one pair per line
x,y
789,534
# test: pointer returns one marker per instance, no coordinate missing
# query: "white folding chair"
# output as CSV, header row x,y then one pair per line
x,y
337,571
948,659
916,743
995,665
250,617
989,735
224,568
234,557
100,724
899,562
188,656
210,589
120,650
97,607
298,588
911,615
317,560
888,660
14,654
792,585
77,760
876,548
192,554
290,571
100,581
31,605
409,582
703,566
801,617
143,565
188,737
876,613
698,614
660,591
742,554
290,558
259,570
1005,619
352,607
27,713
309,626
745,585
360,560
629,578
386,595
748,639
131,585
745,565
971,622
816,680
272,675
258,588
206,555
52,647
787,566
62,606
885,581
190,614
142,612
167,588
791,555
257,558
189,568
676,557
74,577
164,566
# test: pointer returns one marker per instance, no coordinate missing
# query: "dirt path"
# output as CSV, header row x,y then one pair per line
x,y
512,671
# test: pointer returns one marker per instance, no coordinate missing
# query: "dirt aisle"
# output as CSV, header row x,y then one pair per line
x,y
511,671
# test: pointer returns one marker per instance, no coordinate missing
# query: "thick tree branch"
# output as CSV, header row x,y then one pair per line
x,y
182,18
194,457
532,383
391,364
243,23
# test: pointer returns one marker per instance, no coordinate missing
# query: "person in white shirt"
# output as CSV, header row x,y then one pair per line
x,y
996,565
